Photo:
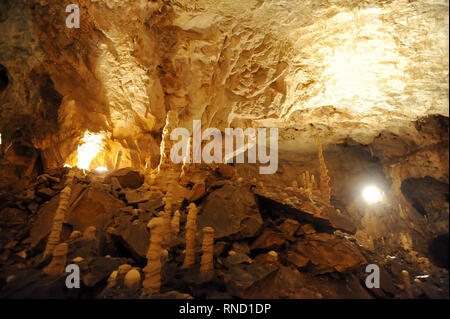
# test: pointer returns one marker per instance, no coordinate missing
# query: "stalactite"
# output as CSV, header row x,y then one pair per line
x,y
55,234
325,190
191,228
207,250
58,264
152,271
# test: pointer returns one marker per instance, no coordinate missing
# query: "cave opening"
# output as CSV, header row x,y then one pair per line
x,y
439,249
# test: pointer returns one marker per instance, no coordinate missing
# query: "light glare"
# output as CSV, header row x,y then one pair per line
x,y
372,194
101,169
92,145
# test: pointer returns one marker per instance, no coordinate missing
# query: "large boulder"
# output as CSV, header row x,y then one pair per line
x,y
12,216
328,253
134,237
232,212
269,240
300,208
240,277
94,208
96,270
43,224
127,177
45,215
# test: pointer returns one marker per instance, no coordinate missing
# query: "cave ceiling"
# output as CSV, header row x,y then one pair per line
x,y
345,69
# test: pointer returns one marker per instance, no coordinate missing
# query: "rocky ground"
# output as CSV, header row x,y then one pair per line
x,y
270,242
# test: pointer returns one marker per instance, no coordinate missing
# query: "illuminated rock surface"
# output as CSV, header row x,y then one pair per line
x,y
369,77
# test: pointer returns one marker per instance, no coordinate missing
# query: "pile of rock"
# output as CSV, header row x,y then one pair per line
x,y
210,234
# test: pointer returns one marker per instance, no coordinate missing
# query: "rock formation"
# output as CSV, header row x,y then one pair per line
x,y
132,280
191,229
58,264
55,235
175,223
325,190
152,271
207,265
407,284
166,143
356,93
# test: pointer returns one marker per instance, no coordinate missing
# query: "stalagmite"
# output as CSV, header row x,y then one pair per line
x,y
132,280
75,234
191,228
314,183
175,223
407,283
307,179
166,215
325,190
55,234
89,233
167,143
58,264
112,279
152,271
207,250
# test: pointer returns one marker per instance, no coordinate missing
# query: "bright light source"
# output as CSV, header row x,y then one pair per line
x,y
101,169
372,194
88,150
67,165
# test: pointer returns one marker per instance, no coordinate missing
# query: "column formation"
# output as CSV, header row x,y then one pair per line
x,y
191,229
207,251
152,271
55,234
58,264
167,143
175,223
407,284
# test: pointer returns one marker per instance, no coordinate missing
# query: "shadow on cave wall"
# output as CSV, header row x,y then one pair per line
x,y
427,195
430,198
439,250
4,79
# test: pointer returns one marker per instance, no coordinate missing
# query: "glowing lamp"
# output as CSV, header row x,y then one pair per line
x,y
372,194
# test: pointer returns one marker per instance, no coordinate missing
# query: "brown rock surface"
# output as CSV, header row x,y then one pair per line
x,y
232,212
328,254
269,240
95,208
127,177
